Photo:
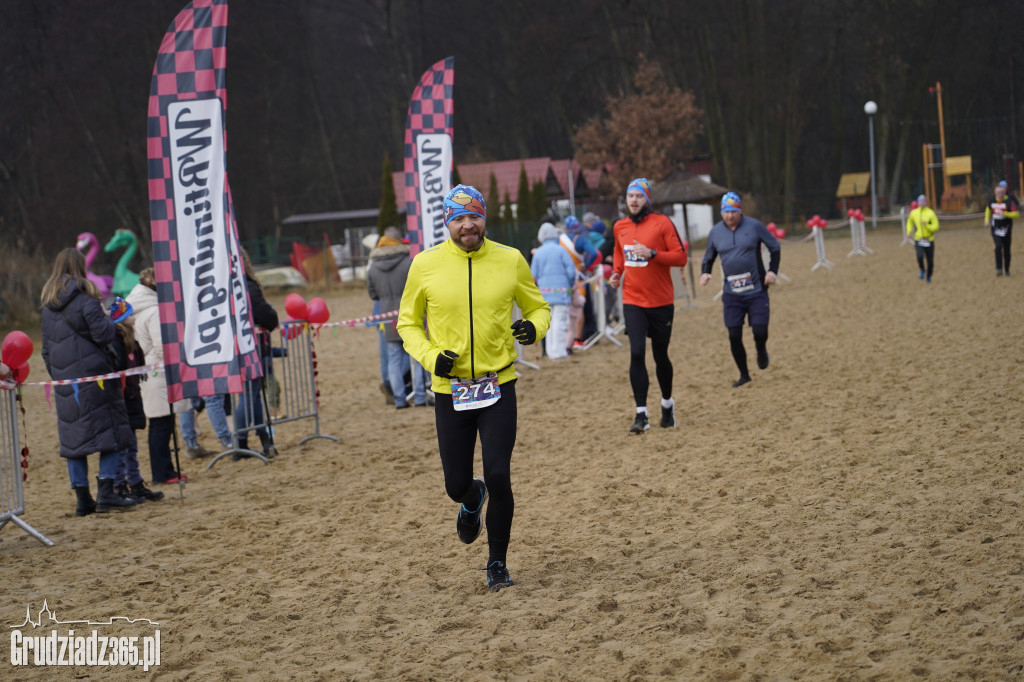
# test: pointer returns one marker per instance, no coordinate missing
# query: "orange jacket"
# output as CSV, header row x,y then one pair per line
x,y
649,286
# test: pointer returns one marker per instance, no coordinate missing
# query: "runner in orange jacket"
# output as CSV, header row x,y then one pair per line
x,y
646,247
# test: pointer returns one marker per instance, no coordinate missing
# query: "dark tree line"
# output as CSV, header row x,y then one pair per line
x,y
318,89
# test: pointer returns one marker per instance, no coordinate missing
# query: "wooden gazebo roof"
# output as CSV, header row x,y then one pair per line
x,y
683,187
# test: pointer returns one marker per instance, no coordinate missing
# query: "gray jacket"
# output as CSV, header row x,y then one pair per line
x,y
385,281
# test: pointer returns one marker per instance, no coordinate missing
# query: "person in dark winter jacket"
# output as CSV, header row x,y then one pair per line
x,y
250,409
90,417
385,281
128,483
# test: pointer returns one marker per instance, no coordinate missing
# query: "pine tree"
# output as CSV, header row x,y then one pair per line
x,y
388,215
493,203
524,203
506,210
540,199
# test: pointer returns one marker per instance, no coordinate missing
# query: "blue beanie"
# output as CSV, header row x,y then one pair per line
x,y
641,185
120,310
598,227
463,199
731,202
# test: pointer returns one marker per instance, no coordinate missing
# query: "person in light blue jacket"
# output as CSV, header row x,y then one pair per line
x,y
555,273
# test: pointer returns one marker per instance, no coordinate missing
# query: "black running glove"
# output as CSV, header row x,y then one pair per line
x,y
445,363
524,331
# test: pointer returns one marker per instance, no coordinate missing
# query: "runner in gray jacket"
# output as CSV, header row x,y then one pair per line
x,y
737,239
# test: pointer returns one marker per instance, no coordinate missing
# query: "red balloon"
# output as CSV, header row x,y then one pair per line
x,y
317,311
16,349
850,212
860,215
296,306
291,329
780,233
20,374
913,205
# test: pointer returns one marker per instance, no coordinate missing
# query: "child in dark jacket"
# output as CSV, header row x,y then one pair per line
x,y
128,483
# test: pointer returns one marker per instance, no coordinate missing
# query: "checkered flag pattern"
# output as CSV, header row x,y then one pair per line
x,y
431,110
190,65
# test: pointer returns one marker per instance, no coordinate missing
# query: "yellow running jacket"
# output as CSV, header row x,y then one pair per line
x,y
922,223
467,300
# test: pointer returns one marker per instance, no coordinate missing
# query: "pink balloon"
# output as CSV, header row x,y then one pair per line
x,y
317,311
16,349
780,233
913,205
296,306
20,374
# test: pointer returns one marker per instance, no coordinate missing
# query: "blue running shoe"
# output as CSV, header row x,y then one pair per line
x,y
497,576
469,523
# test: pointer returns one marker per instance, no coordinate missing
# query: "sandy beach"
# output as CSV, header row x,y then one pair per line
x,y
853,513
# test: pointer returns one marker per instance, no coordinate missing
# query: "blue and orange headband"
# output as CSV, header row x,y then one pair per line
x,y
641,185
731,202
463,199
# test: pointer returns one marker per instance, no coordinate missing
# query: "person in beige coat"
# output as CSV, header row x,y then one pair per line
x,y
154,389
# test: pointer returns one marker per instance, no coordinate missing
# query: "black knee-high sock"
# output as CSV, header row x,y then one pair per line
x,y
739,353
760,338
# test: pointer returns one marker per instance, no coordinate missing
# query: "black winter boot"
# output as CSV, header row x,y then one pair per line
x,y
86,505
123,490
140,491
108,500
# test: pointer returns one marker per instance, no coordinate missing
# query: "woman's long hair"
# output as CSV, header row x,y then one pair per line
x,y
250,271
127,333
70,264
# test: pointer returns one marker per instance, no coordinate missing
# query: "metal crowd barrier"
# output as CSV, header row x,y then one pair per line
x,y
12,497
294,368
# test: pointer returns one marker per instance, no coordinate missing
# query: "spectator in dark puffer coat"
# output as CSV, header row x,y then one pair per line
x,y
76,331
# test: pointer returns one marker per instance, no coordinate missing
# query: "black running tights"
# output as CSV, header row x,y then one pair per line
x,y
739,353
656,324
456,440
1003,251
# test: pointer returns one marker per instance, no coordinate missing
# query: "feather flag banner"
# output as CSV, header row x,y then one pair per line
x,y
208,338
428,155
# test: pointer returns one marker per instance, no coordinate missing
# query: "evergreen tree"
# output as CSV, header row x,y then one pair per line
x,y
506,210
388,215
540,199
524,203
493,203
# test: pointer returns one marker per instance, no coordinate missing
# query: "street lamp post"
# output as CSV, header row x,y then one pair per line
x,y
870,108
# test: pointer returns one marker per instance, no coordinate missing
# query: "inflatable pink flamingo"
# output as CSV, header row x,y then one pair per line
x,y
87,240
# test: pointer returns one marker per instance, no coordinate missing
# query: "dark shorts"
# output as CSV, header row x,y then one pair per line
x,y
736,308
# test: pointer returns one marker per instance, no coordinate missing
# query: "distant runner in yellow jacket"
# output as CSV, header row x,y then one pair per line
x,y
465,287
922,224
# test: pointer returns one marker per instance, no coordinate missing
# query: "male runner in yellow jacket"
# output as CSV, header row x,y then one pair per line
x,y
465,288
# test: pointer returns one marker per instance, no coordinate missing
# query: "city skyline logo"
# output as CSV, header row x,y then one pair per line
x,y
64,646
52,619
